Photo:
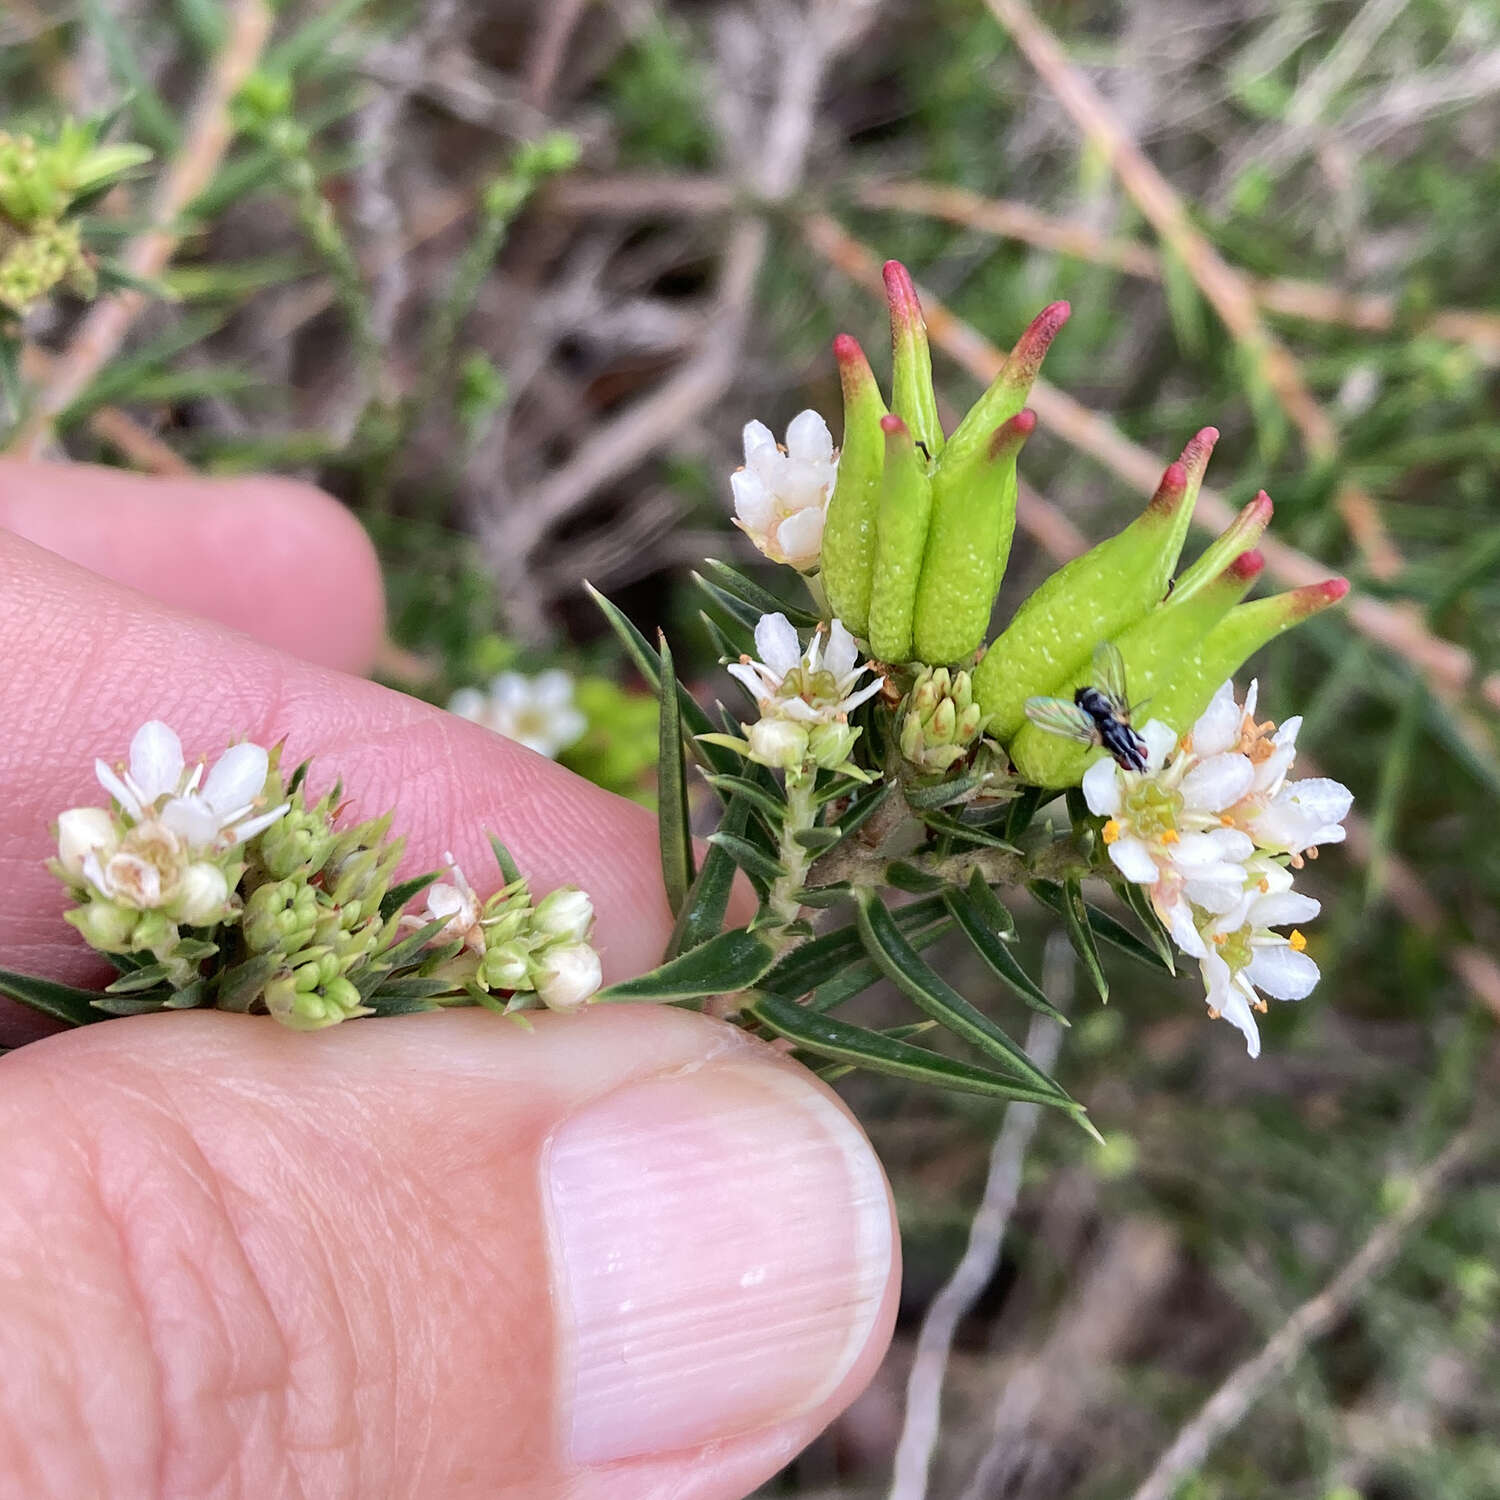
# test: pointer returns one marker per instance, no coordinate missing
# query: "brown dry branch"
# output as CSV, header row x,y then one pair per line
x,y
1223,287
1447,668
1226,1408
1307,301
205,139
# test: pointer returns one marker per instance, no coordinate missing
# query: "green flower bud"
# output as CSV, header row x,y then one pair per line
x,y
105,926
900,540
1158,651
777,743
848,554
968,545
1090,599
566,913
299,841
1237,637
280,917
828,745
155,932
311,1008
940,721
506,966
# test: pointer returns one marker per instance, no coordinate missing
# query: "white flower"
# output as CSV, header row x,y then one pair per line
x,y
82,831
781,495
454,904
201,895
159,784
565,976
818,686
566,914
1287,817
537,712
1164,828
1242,957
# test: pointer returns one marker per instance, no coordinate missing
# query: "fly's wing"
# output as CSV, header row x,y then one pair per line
x,y
1058,716
1109,678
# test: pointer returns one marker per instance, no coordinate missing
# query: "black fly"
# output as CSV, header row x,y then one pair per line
x,y
1098,715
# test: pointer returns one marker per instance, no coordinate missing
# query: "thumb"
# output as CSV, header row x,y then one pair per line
x,y
622,1254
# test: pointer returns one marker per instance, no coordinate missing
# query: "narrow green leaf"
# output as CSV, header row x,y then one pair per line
x,y
992,910
673,820
735,609
825,895
60,1001
127,1005
754,862
818,840
1024,809
956,828
728,649
945,793
857,977
399,895
990,946
1067,901
814,962
509,871
314,39
763,601
765,799
906,969
140,979
733,961
835,1071
413,987
825,1036
1106,928
694,721
702,915
902,875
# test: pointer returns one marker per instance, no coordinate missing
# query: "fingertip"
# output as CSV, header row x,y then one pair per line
x,y
275,558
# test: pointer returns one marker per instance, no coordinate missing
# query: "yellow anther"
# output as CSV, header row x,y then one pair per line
x,y
1111,831
1171,836
1297,941
1220,938
1264,884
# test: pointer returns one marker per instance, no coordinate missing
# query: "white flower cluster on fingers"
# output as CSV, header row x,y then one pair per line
x,y
542,950
805,697
170,844
538,712
781,494
1213,829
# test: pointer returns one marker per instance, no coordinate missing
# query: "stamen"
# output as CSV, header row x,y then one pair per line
x,y
1296,941
1111,831
1220,938
1261,1006
1264,884
1171,836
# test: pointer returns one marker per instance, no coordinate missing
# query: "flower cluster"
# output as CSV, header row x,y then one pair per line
x,y
170,850
781,494
505,943
805,697
538,712
233,887
1213,829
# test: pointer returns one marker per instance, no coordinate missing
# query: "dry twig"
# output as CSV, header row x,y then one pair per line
x,y
976,1267
1223,287
1226,1408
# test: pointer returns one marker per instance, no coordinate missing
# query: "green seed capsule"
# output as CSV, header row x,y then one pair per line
x,y
912,396
1237,637
901,536
1158,651
968,543
1093,598
848,558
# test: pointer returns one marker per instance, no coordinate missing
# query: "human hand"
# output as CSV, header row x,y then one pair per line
x,y
621,1254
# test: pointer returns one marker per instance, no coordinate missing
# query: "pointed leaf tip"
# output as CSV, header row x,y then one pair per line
x,y
1172,490
892,425
1247,565
1031,348
1009,436
1199,449
901,292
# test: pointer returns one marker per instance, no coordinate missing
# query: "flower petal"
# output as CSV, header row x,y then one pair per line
x,y
1218,728
192,819
237,779
777,644
808,438
799,538
552,689
1282,972
1133,860
753,502
155,760
1160,740
758,439
117,789
1101,788
1283,909
1218,782
1236,1010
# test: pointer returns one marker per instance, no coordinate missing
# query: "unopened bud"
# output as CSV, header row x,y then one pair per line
x,y
565,977
82,831
565,913
778,743
201,895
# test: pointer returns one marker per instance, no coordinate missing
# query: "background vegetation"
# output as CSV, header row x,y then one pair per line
x,y
382,269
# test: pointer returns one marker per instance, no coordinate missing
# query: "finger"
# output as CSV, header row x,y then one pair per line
x,y
620,1255
88,662
275,558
